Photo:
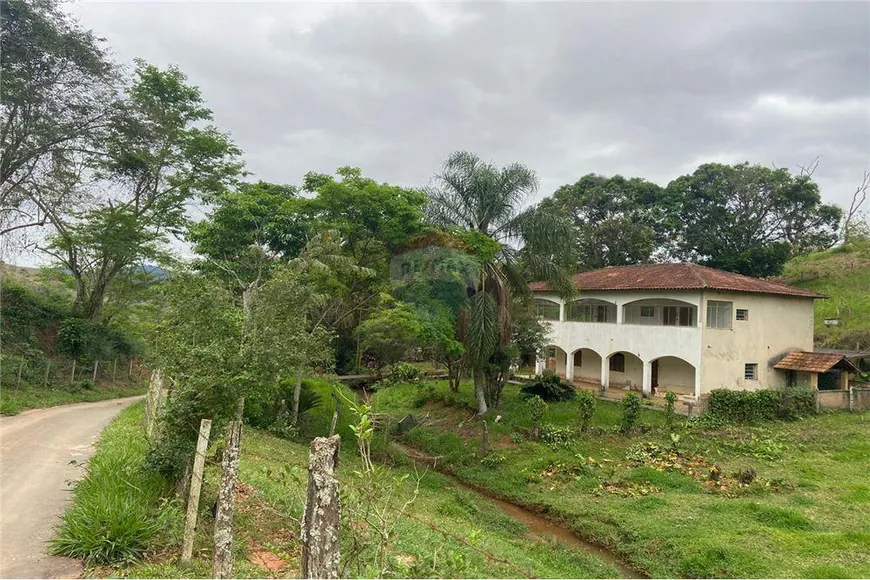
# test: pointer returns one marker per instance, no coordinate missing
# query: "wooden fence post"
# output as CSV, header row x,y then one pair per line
x,y
334,416
72,377
94,378
195,488
47,370
130,371
20,369
484,441
321,522
114,368
226,501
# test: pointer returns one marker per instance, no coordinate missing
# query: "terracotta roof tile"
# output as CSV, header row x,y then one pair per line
x,y
676,276
813,362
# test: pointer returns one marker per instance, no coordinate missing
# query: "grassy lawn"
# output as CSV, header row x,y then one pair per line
x,y
805,514
14,401
451,531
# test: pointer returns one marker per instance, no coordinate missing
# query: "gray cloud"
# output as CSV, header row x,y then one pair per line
x,y
649,89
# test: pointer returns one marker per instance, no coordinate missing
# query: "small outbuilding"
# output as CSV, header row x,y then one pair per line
x,y
802,367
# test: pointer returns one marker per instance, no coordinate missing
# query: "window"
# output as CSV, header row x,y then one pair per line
x,y
718,314
617,362
742,314
578,358
589,313
647,311
547,309
677,316
750,371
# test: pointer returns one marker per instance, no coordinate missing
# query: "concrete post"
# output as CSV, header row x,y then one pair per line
x,y
620,313
698,382
321,521
195,488
561,311
647,378
605,373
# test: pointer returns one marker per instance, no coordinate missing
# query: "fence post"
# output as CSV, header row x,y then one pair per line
x,y
851,398
334,416
484,441
226,502
47,370
321,522
20,369
94,378
114,368
130,372
72,377
195,488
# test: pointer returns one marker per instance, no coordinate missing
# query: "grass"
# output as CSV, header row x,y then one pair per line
x,y
842,274
807,514
118,511
14,401
453,532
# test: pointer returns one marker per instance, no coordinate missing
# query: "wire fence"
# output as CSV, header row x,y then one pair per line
x,y
19,372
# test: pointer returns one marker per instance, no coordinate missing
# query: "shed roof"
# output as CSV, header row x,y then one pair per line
x,y
814,362
676,276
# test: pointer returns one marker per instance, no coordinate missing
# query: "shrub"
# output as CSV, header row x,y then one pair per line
x,y
79,386
557,437
537,409
492,460
586,406
550,388
402,372
630,410
670,412
762,405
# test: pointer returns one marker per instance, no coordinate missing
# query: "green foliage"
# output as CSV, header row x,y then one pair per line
x,y
404,372
118,512
630,410
537,408
586,409
761,405
556,437
549,387
492,460
749,218
389,333
670,412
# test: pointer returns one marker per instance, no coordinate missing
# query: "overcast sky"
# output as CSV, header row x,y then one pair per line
x,y
641,89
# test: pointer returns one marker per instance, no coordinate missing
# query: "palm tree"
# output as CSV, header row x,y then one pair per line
x,y
483,204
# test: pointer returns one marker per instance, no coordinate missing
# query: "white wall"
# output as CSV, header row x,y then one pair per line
x,y
776,326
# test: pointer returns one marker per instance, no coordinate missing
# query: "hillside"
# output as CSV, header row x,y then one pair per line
x,y
842,274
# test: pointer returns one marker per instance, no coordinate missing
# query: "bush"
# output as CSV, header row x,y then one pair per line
x,y
586,404
550,388
402,372
670,411
79,386
537,409
630,411
762,405
557,437
118,512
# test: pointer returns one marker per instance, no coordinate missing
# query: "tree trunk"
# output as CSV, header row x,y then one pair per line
x,y
480,391
297,391
226,502
321,522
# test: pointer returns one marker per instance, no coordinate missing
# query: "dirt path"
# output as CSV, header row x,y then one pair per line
x,y
36,448
539,527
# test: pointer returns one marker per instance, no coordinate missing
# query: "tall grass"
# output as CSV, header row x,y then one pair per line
x,y
118,511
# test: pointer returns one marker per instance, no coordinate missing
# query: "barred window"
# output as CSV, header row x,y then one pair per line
x,y
617,363
750,371
742,314
718,314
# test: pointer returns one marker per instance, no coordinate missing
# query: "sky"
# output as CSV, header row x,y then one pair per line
x,y
647,89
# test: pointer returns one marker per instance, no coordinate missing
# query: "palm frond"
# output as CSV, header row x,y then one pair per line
x,y
482,330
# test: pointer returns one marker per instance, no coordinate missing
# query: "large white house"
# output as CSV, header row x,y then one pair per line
x,y
677,327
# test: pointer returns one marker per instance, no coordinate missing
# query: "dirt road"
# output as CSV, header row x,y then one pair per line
x,y
36,448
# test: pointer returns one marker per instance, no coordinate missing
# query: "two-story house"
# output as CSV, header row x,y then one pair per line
x,y
677,327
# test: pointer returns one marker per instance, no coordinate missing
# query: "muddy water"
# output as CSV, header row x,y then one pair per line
x,y
539,527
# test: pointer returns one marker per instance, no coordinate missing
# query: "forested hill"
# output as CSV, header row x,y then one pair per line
x,y
842,274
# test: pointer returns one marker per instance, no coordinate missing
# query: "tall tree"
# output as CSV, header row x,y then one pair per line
x,y
56,95
750,218
615,221
484,203
158,157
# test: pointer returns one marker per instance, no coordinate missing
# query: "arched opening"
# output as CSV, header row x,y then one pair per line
x,y
660,312
673,374
587,366
591,310
557,360
547,309
625,370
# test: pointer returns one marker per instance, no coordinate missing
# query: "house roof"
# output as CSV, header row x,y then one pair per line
x,y
850,354
814,362
676,276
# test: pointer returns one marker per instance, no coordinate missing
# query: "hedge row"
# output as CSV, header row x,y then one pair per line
x,y
765,404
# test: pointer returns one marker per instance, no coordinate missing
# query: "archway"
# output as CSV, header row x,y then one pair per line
x,y
673,374
587,366
556,360
625,370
